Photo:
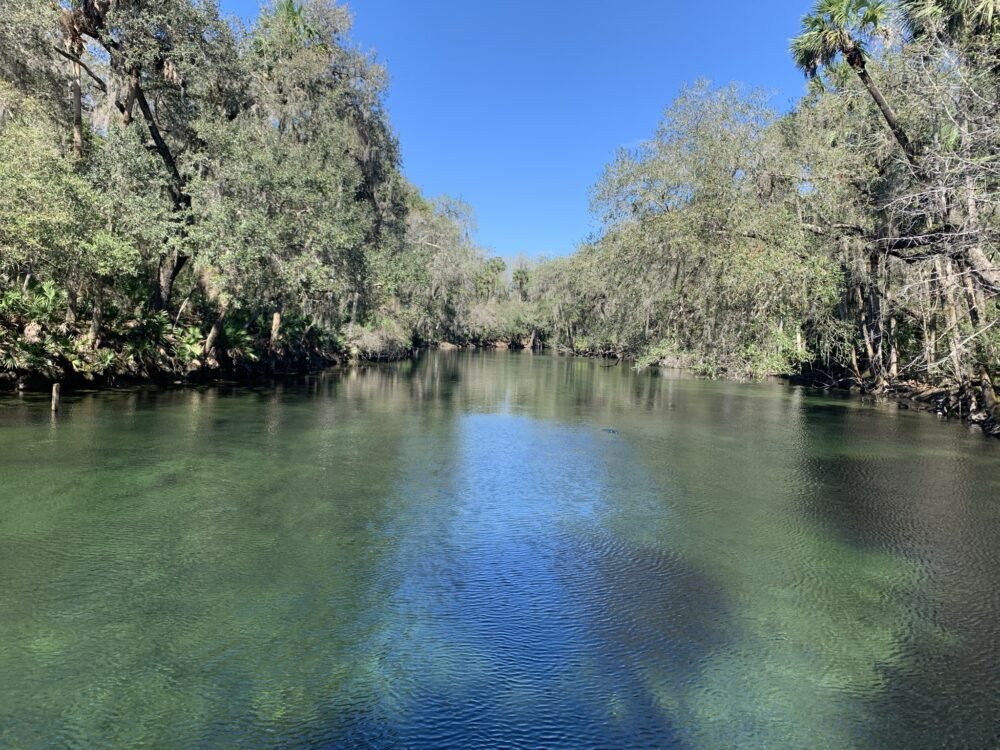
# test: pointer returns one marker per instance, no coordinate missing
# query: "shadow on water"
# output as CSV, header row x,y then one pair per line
x,y
925,505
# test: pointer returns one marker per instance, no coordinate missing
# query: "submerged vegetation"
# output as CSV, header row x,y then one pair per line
x,y
216,197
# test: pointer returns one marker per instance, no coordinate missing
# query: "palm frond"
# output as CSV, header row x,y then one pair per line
x,y
952,18
837,27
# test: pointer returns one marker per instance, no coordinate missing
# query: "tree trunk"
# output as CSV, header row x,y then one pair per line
x,y
71,305
930,350
877,318
170,267
874,366
857,62
215,334
128,108
979,264
95,325
275,330
972,299
949,305
76,90
893,351
854,364
929,322
987,274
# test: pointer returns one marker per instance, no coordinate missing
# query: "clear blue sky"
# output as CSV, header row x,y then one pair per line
x,y
516,106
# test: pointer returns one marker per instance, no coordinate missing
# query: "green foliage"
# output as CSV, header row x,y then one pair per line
x,y
50,215
955,18
700,208
227,197
837,27
247,173
189,343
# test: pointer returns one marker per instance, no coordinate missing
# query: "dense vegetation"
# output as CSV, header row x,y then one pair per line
x,y
855,238
208,196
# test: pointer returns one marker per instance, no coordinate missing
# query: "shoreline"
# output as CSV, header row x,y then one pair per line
x,y
950,403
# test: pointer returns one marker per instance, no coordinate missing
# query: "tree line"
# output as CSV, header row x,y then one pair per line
x,y
853,238
183,193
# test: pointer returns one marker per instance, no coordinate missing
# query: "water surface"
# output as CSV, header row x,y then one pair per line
x,y
485,551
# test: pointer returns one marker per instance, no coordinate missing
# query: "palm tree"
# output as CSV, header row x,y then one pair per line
x,y
838,28
955,18
292,18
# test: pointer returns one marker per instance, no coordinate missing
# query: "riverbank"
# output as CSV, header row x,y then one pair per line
x,y
975,405
203,370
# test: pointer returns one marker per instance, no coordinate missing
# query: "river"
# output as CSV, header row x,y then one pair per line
x,y
496,550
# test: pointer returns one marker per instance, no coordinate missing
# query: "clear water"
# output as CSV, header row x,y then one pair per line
x,y
457,554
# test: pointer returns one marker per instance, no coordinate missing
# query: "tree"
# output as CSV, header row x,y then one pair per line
x,y
954,18
521,277
846,27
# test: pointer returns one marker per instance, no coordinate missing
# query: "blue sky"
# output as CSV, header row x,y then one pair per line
x,y
516,106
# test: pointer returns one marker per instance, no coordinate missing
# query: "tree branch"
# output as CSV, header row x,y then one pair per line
x,y
86,69
182,199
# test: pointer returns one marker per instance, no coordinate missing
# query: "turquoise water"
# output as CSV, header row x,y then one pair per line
x,y
486,551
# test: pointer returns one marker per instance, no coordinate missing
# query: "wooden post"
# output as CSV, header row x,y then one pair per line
x,y
55,397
